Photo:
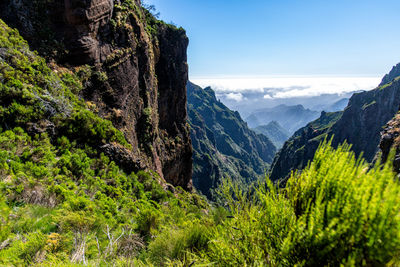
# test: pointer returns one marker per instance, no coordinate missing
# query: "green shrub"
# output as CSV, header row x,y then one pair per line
x,y
338,211
176,243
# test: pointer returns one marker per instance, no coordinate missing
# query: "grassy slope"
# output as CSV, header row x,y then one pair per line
x,y
58,193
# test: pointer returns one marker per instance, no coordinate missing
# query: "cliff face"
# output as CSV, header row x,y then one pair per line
x,y
360,125
390,139
223,144
136,73
394,73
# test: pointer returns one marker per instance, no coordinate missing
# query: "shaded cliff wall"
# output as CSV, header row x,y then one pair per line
x,y
136,69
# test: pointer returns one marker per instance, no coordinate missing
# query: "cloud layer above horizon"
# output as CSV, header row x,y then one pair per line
x,y
286,86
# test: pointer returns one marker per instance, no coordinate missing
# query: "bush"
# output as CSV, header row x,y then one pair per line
x,y
176,243
338,211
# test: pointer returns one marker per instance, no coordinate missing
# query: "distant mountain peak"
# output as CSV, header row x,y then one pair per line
x,y
359,124
290,118
274,131
274,123
223,144
393,74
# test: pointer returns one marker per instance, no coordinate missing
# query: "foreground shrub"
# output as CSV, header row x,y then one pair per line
x,y
337,211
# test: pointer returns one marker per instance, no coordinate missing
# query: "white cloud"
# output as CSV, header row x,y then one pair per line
x,y
267,96
234,96
287,86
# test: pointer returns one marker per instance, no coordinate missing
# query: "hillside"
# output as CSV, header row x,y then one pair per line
x,y
290,118
223,145
359,124
63,201
274,132
133,70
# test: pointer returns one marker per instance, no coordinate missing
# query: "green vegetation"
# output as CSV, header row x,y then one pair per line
x,y
223,144
31,93
335,212
274,132
64,203
125,8
58,205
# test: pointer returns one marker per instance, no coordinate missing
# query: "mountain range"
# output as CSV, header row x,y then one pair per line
x,y
105,146
276,133
223,145
290,118
360,125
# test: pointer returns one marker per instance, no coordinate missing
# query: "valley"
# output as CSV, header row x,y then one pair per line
x,y
112,155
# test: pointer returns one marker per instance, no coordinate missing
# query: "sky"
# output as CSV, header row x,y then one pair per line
x,y
269,39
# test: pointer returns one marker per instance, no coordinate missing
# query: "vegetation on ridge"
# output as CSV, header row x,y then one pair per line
x,y
223,144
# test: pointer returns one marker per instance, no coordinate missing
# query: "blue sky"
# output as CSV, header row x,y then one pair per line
x,y
234,38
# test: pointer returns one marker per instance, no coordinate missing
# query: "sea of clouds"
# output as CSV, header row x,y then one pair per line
x,y
247,94
287,86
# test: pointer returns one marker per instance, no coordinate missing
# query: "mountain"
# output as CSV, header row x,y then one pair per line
x,y
290,118
338,105
274,132
394,73
133,70
77,190
390,141
359,124
223,144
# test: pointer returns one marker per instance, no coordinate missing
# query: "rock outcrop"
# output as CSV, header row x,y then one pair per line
x,y
359,124
223,144
136,67
393,74
390,139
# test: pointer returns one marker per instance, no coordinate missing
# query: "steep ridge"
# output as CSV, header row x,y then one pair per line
x,y
135,73
394,73
338,105
359,124
274,132
290,118
223,144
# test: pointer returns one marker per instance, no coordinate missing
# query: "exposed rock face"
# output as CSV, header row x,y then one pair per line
x,y
223,144
360,125
390,139
394,73
138,72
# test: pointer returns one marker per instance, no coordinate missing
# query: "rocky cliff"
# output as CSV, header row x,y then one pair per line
x,y
134,71
393,74
390,139
359,124
223,144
